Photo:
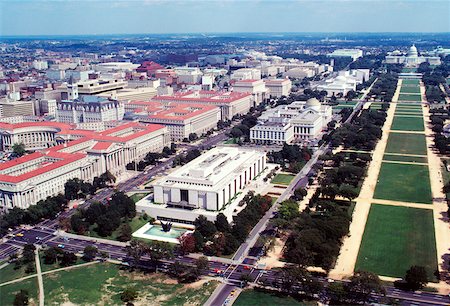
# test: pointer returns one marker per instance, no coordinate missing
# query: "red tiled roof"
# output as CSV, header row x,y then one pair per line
x,y
65,160
102,146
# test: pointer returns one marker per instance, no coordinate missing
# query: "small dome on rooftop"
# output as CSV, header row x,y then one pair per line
x,y
312,102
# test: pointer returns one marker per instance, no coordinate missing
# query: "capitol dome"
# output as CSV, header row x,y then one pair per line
x,y
312,102
413,51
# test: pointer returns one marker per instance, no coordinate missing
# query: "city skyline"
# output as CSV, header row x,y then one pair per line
x,y
140,17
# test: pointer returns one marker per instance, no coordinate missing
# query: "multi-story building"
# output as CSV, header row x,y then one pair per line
x,y
127,94
230,103
180,119
16,108
89,109
93,87
256,88
40,65
246,74
188,75
278,87
292,123
82,154
206,186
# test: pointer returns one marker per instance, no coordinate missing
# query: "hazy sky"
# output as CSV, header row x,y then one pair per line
x,y
62,17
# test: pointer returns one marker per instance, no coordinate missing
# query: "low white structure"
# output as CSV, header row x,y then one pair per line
x,y
291,123
207,186
353,53
412,58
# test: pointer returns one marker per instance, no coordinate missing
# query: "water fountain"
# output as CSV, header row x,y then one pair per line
x,y
166,227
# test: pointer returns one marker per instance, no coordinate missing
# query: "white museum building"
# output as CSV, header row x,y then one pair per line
x,y
207,186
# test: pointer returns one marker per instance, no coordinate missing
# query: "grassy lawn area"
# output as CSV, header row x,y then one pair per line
x,y
409,106
410,82
404,158
409,70
407,123
410,89
409,97
395,238
402,182
8,292
136,223
406,143
8,273
282,179
231,141
408,112
103,283
257,298
139,196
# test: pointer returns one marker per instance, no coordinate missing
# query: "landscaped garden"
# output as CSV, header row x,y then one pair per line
x,y
282,179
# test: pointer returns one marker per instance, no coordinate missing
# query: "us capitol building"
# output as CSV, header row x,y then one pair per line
x,y
412,58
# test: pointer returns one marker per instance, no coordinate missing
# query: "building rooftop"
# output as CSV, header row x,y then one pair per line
x,y
211,169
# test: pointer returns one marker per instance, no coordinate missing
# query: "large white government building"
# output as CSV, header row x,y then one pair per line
x,y
412,58
291,123
67,151
206,186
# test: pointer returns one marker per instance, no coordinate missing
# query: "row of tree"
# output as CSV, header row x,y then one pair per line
x,y
438,118
79,189
183,159
152,158
385,87
222,238
44,209
292,158
106,218
362,133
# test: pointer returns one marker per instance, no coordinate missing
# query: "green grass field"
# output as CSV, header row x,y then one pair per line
x,y
402,182
409,106
406,143
408,112
375,106
410,82
410,89
9,273
102,284
395,238
404,158
282,179
8,292
409,70
407,124
409,97
138,196
256,298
